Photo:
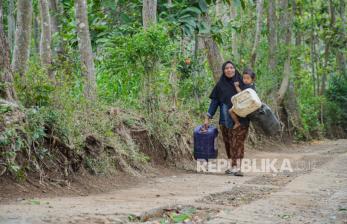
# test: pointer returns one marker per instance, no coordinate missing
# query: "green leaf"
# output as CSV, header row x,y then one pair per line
x,y
177,218
239,3
189,211
189,21
35,202
193,10
125,18
203,28
187,30
203,6
132,218
243,4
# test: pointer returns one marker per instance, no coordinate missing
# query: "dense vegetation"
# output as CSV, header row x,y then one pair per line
x,y
75,91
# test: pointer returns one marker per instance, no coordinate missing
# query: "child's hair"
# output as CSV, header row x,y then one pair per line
x,y
249,72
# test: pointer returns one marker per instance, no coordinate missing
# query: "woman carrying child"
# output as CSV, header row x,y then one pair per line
x,y
234,139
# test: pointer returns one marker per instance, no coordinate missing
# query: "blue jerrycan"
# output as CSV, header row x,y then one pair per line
x,y
204,142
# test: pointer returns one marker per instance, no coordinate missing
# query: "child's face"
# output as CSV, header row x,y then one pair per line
x,y
247,79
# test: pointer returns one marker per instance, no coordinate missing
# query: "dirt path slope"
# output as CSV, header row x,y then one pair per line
x,y
316,192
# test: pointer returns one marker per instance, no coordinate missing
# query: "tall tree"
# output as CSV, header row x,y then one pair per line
x,y
290,104
56,10
149,13
23,37
327,47
11,23
297,9
287,25
7,90
53,12
214,57
341,53
272,35
234,38
1,15
46,38
36,32
85,47
313,48
257,32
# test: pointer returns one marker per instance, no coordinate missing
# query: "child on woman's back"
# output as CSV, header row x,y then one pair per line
x,y
248,78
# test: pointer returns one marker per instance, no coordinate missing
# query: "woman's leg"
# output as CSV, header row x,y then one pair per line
x,y
227,139
238,143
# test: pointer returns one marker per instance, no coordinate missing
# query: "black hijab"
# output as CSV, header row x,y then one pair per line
x,y
225,88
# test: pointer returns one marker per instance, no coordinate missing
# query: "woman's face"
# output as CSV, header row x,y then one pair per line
x,y
229,70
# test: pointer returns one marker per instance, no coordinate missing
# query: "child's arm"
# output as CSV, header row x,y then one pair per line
x,y
237,86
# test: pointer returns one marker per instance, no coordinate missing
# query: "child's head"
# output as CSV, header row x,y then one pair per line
x,y
248,76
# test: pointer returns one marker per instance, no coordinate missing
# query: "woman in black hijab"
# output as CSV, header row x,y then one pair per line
x,y
221,97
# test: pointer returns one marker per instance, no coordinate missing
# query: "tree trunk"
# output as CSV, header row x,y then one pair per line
x,y
293,122
327,49
285,81
173,80
282,17
234,39
313,64
36,32
149,13
257,32
290,104
297,13
287,66
56,11
214,57
23,37
11,24
53,12
219,7
1,15
46,38
313,53
85,47
340,56
7,91
272,35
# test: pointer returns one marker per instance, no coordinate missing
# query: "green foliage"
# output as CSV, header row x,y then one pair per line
x,y
195,86
310,115
26,142
337,103
129,64
35,88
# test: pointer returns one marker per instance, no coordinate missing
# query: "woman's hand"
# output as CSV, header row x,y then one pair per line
x,y
237,84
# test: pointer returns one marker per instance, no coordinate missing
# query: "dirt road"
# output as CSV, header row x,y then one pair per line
x,y
316,192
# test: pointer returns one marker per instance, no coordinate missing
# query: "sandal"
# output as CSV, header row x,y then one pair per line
x,y
238,173
230,172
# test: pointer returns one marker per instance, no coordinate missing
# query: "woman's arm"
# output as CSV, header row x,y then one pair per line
x,y
211,111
